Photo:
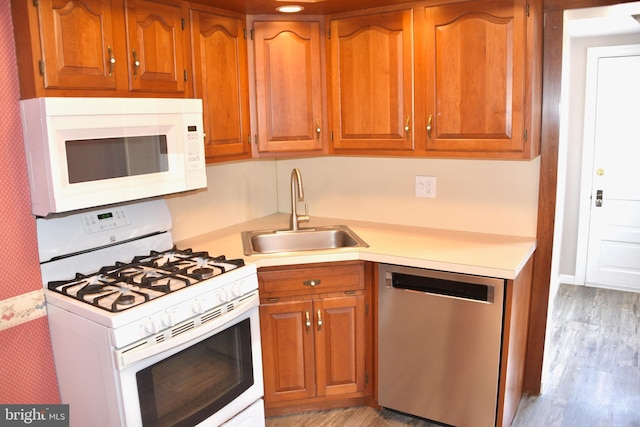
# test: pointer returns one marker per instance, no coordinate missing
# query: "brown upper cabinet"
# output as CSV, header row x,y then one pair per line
x,y
455,79
290,102
157,46
477,72
481,62
73,48
371,76
221,81
81,48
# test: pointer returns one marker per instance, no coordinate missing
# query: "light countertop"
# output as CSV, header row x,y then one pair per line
x,y
481,254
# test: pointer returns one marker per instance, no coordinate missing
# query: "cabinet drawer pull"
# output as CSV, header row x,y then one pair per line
x,y
312,282
429,127
318,129
319,321
308,322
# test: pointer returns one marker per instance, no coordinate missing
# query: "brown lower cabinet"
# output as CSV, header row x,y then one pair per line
x,y
316,336
319,337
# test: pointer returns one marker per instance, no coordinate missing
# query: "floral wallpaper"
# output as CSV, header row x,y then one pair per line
x,y
27,371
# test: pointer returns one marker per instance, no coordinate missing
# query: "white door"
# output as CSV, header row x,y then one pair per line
x,y
612,130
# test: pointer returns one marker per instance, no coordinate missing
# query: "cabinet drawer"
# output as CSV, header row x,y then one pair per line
x,y
325,278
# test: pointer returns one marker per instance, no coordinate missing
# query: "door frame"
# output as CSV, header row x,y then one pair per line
x,y
551,89
588,145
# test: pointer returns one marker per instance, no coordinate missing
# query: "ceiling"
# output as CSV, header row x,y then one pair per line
x,y
311,7
603,21
615,19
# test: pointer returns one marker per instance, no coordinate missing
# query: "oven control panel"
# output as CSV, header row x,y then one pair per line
x,y
105,220
195,301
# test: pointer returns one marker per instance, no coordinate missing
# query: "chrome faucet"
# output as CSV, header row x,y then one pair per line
x,y
297,194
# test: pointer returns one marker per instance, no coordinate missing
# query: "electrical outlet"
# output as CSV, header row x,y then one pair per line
x,y
425,186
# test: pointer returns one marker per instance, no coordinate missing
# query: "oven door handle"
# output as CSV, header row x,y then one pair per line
x,y
201,330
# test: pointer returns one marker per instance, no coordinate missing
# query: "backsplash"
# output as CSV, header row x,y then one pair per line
x,y
487,196
498,197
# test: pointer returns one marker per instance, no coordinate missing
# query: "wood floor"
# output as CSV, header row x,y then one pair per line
x,y
592,379
593,374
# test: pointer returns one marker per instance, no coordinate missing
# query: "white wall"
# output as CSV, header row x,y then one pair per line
x,y
474,195
571,135
236,192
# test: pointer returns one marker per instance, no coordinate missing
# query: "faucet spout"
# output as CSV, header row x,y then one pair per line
x,y
297,194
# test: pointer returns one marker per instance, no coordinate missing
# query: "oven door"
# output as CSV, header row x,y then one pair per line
x,y
211,375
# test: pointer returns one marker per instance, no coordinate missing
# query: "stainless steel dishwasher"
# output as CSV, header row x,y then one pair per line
x,y
439,341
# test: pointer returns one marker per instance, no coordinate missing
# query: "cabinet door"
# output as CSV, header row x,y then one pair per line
x,y
220,60
287,351
340,345
156,43
77,44
288,86
372,82
475,78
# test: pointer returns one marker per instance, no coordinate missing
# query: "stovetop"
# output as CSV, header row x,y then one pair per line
x,y
129,284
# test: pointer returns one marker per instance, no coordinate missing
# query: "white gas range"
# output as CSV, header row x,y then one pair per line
x,y
146,334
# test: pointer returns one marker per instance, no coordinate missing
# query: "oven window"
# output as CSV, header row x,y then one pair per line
x,y
194,384
96,159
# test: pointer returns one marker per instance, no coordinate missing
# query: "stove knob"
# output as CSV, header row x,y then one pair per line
x,y
151,327
167,319
236,290
196,307
223,295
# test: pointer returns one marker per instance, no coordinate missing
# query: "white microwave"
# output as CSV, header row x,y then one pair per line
x,y
89,152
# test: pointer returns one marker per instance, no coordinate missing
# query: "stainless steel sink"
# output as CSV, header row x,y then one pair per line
x,y
303,239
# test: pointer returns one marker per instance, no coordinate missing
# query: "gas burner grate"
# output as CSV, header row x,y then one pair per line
x,y
125,285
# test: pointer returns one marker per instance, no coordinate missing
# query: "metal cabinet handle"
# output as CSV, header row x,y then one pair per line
x,y
429,127
112,60
318,128
407,126
320,321
136,63
598,198
312,282
308,322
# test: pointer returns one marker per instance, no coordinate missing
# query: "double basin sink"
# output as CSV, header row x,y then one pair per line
x,y
303,239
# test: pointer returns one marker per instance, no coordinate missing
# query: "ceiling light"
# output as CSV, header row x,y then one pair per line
x,y
292,8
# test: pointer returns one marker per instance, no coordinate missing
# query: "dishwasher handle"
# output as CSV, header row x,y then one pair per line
x,y
440,286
